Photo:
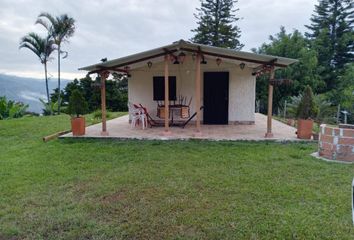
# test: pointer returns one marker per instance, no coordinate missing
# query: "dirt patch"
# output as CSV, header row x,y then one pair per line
x,y
115,197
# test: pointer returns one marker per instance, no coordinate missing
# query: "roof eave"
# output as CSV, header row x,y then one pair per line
x,y
192,47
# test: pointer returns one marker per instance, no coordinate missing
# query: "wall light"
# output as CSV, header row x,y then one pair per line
x,y
242,65
181,57
176,60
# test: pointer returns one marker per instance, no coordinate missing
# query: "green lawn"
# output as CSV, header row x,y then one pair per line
x,y
67,189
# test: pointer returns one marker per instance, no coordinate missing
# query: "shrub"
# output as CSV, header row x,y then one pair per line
x,y
77,104
97,115
307,107
49,108
11,109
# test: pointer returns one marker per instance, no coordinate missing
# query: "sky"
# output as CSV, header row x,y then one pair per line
x,y
116,28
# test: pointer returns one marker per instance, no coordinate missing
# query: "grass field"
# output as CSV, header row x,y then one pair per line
x,y
67,189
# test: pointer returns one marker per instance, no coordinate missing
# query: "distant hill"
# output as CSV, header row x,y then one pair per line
x,y
27,90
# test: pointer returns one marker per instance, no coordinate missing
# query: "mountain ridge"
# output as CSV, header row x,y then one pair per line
x,y
27,90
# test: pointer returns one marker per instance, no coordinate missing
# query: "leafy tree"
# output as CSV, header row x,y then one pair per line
x,y
343,95
291,45
326,111
92,92
60,28
116,92
77,104
216,24
54,97
69,88
332,35
42,48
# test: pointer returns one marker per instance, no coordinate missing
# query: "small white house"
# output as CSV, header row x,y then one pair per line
x,y
221,81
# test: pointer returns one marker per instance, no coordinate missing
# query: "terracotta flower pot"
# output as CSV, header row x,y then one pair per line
x,y
304,128
78,126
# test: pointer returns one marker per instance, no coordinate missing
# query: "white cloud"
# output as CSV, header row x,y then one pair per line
x,y
32,96
114,28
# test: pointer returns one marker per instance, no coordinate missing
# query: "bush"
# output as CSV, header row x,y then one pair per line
x,y
77,104
11,109
307,107
97,115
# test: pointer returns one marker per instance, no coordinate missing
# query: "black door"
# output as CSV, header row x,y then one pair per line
x,y
216,98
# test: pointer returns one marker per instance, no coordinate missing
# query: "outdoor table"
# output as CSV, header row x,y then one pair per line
x,y
172,109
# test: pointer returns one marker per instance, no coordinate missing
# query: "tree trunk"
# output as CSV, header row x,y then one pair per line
x,y
217,21
46,86
59,100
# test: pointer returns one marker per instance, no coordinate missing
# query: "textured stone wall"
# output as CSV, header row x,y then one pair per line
x,y
336,143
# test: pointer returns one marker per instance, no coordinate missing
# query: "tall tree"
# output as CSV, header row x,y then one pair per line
x,y
217,24
42,48
344,92
332,35
291,45
60,28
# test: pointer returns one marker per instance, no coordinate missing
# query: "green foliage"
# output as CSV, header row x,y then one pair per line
x,y
348,99
11,109
216,24
54,97
291,45
60,29
325,54
49,108
293,105
332,35
307,107
97,115
116,92
326,112
42,48
343,94
77,104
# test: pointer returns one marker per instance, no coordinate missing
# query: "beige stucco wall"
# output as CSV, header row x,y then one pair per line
x,y
241,86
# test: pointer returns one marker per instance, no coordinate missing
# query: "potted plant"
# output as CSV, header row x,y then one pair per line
x,y
77,107
306,112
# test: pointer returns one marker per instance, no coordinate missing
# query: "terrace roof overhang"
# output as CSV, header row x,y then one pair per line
x,y
135,60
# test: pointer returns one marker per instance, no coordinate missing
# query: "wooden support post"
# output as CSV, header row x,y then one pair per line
x,y
197,91
167,108
104,76
269,133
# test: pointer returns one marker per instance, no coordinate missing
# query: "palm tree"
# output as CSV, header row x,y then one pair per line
x,y
60,28
42,48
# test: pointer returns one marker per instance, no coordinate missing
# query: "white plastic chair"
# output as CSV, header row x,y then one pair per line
x,y
136,115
